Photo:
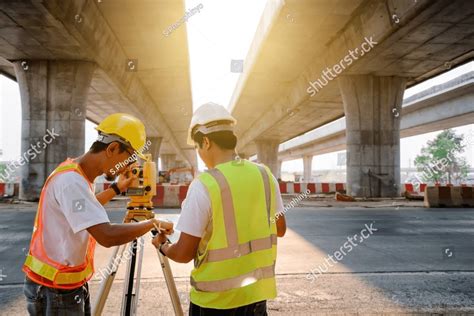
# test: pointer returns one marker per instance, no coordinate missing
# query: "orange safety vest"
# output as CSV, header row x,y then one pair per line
x,y
38,266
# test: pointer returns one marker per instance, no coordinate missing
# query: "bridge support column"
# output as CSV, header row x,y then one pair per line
x,y
154,150
168,161
267,153
278,175
372,106
307,165
53,101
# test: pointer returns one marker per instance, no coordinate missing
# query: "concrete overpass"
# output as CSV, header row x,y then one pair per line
x,y
312,62
86,59
447,105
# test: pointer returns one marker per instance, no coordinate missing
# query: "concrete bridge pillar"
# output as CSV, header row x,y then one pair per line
x,y
372,106
168,161
278,175
53,100
267,153
154,150
307,165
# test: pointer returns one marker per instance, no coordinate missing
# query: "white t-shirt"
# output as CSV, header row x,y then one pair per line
x,y
70,207
196,209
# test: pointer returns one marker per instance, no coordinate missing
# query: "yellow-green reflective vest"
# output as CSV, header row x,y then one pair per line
x,y
235,263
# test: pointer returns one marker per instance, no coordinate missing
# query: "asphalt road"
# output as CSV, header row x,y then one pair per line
x,y
408,260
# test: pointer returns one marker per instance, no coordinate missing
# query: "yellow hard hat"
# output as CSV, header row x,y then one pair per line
x,y
207,114
127,130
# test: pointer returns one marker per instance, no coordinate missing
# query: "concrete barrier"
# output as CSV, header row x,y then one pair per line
x,y
449,196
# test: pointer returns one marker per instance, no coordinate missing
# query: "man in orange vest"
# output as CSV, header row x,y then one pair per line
x,y
70,219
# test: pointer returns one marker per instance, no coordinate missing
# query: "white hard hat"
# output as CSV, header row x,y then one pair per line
x,y
209,113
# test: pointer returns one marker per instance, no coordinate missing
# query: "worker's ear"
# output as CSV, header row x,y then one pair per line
x,y
206,143
112,149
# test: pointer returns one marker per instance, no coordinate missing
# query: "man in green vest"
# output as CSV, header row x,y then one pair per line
x,y
229,223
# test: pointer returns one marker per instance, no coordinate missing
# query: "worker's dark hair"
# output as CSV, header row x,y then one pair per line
x,y
223,139
97,147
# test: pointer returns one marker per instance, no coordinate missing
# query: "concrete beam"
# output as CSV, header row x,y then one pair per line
x,y
91,31
443,106
398,27
53,97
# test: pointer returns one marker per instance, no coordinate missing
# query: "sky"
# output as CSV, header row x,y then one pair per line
x,y
216,36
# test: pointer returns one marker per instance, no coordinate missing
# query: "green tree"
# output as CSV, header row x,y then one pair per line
x,y
439,160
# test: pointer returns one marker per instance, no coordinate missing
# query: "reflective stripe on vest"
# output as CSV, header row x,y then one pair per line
x,y
43,270
234,249
51,273
237,282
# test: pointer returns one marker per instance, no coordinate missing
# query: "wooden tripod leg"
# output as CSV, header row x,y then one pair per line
x,y
168,274
106,283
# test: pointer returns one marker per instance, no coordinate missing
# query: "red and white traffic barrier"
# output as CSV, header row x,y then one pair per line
x,y
409,187
315,188
9,189
170,195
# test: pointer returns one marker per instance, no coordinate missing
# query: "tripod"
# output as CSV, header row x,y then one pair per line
x,y
130,296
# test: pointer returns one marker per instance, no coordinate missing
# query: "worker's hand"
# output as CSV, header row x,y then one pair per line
x,y
159,239
126,178
163,227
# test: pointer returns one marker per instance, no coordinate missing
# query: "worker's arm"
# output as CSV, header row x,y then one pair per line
x,y
123,182
109,235
105,196
183,251
281,225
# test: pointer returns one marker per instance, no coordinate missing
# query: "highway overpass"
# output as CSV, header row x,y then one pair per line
x,y
313,62
86,59
440,107
83,59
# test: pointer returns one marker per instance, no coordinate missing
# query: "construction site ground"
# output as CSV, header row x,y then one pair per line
x,y
417,261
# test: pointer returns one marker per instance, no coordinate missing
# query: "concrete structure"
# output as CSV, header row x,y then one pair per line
x,y
267,152
297,44
168,161
137,70
373,134
286,86
154,150
51,91
442,106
